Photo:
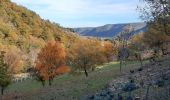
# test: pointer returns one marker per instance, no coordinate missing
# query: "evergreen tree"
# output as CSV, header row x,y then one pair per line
x,y
5,78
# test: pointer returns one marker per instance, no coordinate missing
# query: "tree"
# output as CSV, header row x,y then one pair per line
x,y
49,60
5,78
108,50
157,15
155,38
157,11
14,60
85,54
125,34
123,55
137,46
123,51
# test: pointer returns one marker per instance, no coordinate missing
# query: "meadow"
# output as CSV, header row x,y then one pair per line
x,y
73,85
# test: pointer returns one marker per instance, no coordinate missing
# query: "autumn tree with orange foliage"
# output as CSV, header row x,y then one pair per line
x,y
108,50
51,62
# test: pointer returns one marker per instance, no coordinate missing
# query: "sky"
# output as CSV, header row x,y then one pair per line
x,y
84,13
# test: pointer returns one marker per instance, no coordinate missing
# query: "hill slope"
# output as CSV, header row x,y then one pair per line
x,y
23,33
109,30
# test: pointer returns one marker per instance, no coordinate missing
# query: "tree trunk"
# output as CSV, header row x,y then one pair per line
x,y
169,87
141,63
120,65
130,93
50,81
85,71
169,90
108,59
119,97
163,50
125,62
93,69
43,83
164,21
2,90
147,92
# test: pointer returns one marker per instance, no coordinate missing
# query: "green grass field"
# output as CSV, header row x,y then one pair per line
x,y
72,86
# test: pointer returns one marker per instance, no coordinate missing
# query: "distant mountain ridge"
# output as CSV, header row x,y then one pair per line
x,y
110,30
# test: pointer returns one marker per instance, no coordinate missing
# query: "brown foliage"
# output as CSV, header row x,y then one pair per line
x,y
86,54
14,60
25,30
51,60
62,70
108,50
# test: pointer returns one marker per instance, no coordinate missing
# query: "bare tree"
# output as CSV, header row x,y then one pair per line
x,y
123,52
157,11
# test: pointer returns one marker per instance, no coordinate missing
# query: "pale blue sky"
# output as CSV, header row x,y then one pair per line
x,y
83,13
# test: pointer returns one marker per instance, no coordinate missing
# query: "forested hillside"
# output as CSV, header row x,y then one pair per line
x,y
23,33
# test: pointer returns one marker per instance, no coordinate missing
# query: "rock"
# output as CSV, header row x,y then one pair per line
x,y
92,97
104,93
129,87
160,83
108,98
140,69
137,98
98,98
132,71
112,95
129,98
165,77
119,97
150,75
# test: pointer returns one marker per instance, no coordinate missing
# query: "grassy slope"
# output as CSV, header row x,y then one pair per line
x,y
69,85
